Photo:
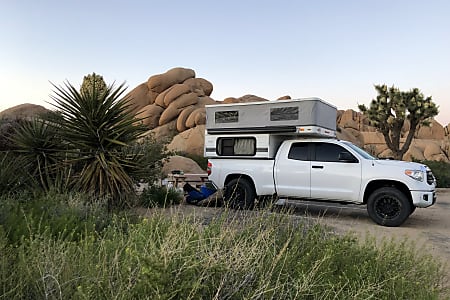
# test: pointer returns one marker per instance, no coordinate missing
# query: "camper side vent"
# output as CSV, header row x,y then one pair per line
x,y
230,116
284,113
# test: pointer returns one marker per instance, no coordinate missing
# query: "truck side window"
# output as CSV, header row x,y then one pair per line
x,y
236,146
299,151
330,152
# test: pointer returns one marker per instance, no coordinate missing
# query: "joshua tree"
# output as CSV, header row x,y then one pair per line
x,y
392,107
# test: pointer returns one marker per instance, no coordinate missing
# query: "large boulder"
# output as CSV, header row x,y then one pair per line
x,y
243,99
139,97
346,116
181,163
372,138
200,86
177,106
197,117
286,97
445,146
190,141
414,153
181,120
150,115
23,111
435,131
433,151
250,98
166,132
344,134
159,83
172,93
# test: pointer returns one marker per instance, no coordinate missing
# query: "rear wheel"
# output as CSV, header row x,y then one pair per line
x,y
240,194
388,206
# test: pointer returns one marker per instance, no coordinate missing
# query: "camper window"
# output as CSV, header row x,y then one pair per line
x,y
236,146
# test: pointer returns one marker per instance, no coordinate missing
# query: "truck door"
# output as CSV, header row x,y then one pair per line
x,y
293,172
335,173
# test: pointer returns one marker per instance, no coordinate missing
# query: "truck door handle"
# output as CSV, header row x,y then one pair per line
x,y
317,167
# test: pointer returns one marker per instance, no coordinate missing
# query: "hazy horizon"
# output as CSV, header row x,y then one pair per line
x,y
336,51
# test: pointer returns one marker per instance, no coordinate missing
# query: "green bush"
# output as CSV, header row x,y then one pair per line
x,y
59,215
441,172
238,255
159,196
12,173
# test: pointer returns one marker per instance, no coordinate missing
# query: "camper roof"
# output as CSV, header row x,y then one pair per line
x,y
270,116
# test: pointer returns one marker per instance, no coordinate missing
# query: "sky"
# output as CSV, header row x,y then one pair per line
x,y
334,50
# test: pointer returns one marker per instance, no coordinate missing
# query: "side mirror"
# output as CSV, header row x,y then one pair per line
x,y
347,157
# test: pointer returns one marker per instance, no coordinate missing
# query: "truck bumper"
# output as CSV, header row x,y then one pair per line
x,y
423,198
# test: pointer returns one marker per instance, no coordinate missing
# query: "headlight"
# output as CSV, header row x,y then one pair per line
x,y
415,174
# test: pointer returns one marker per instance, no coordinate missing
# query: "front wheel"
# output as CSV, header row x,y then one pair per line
x,y
388,206
240,194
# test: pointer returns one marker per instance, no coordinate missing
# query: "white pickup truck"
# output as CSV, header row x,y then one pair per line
x,y
250,162
328,170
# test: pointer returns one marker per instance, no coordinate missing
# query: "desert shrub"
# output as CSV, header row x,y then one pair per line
x,y
441,172
237,255
159,196
149,154
67,215
7,128
13,176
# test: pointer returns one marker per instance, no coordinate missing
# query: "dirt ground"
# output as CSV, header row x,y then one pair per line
x,y
429,227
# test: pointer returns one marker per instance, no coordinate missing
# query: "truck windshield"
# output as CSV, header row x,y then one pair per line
x,y
360,151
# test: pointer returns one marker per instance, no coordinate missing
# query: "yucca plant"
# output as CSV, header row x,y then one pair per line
x,y
12,173
38,143
98,124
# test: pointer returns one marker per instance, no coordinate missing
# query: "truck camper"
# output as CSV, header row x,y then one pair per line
x,y
288,149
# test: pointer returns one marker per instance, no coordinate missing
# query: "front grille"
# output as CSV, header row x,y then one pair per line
x,y
430,177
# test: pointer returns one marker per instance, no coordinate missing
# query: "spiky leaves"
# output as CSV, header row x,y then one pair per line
x,y
98,125
38,143
391,108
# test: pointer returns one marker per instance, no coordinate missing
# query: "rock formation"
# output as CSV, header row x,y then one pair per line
x,y
181,163
176,95
430,142
23,111
172,106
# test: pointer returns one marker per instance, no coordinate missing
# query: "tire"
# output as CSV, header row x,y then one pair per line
x,y
240,194
388,206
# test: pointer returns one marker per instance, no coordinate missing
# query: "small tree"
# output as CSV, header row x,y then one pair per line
x,y
392,107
